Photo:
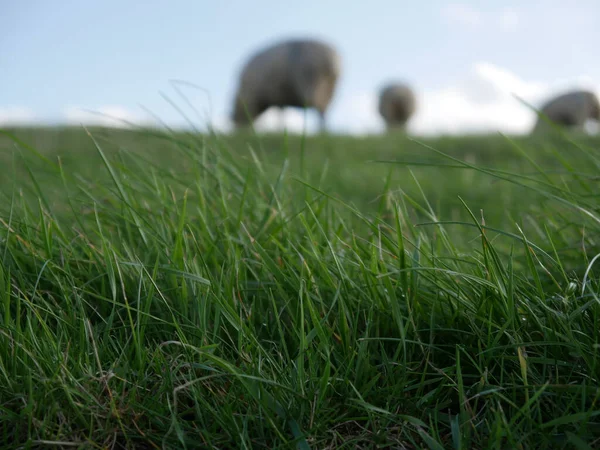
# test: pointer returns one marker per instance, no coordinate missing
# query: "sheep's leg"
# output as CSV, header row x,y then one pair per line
x,y
281,113
312,92
322,122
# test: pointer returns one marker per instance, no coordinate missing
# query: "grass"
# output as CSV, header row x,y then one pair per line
x,y
163,290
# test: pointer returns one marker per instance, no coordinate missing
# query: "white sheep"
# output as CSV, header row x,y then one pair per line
x,y
295,73
397,104
571,110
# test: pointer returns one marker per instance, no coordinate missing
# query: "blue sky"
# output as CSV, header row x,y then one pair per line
x,y
464,59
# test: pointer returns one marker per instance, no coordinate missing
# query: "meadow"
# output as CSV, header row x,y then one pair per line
x,y
181,290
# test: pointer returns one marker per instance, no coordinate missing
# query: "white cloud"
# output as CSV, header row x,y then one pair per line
x,y
461,14
489,84
354,114
485,102
16,115
291,119
109,116
221,123
453,111
357,114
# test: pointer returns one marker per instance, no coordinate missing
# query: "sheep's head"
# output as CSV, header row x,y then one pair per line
x,y
594,107
241,114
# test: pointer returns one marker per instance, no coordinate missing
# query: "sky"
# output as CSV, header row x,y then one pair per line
x,y
112,62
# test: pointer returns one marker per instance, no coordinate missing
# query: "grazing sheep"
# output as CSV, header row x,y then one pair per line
x,y
570,110
297,73
397,104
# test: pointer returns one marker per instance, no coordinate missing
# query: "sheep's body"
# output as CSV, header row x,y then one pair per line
x,y
397,104
571,110
295,73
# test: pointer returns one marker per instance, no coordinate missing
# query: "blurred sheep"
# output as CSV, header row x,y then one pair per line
x,y
571,110
295,73
397,104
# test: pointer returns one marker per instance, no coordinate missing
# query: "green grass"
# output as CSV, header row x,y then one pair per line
x,y
166,290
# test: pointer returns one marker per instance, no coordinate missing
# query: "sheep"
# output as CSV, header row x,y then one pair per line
x,y
295,73
397,104
571,110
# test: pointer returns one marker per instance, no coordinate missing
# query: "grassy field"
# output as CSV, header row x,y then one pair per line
x,y
163,290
